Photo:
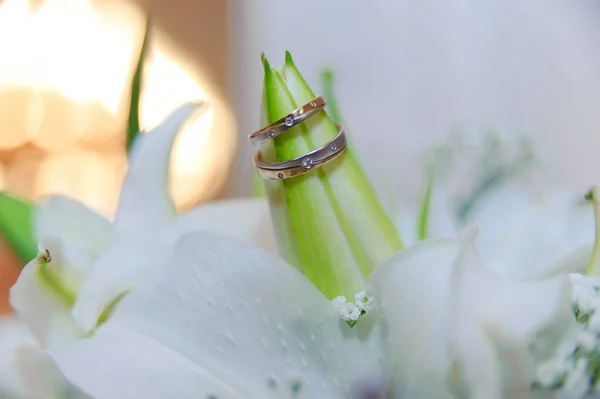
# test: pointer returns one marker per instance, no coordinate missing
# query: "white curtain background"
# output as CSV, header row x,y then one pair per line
x,y
409,72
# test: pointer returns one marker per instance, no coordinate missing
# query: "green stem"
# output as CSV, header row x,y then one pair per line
x,y
16,226
592,196
424,214
133,124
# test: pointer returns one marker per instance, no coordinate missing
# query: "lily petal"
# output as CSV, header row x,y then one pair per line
x,y
246,219
494,299
40,306
145,200
13,337
42,377
515,214
126,264
71,221
488,311
440,289
412,289
576,262
226,320
26,371
75,235
471,341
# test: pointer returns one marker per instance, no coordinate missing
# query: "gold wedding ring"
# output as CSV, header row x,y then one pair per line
x,y
287,122
304,164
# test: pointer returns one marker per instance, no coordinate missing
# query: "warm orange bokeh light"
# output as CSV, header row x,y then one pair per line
x,y
65,68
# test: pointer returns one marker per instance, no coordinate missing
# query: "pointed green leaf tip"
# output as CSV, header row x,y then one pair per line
x,y
265,62
329,222
288,58
16,226
133,124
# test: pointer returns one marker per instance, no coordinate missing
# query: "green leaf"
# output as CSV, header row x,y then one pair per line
x,y
133,124
593,266
424,214
16,226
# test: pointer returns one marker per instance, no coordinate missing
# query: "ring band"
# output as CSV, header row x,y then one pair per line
x,y
287,122
304,164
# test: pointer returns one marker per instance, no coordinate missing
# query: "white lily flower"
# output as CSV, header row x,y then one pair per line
x,y
511,213
443,307
74,241
560,222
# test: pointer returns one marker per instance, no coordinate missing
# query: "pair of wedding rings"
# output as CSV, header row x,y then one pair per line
x,y
307,162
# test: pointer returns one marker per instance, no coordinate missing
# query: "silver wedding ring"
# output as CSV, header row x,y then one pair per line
x,y
314,159
304,164
287,122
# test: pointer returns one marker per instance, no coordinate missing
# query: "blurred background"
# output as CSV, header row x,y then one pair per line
x,y
407,74
65,73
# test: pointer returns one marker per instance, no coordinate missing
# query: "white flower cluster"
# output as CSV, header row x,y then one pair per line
x,y
351,311
586,299
574,370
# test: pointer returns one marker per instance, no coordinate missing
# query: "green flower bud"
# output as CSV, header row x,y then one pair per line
x,y
329,223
